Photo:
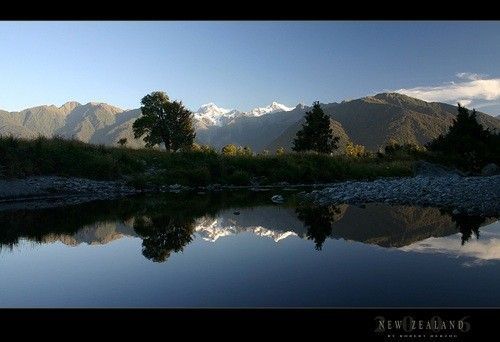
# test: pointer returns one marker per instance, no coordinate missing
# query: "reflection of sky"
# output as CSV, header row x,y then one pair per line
x,y
487,247
245,266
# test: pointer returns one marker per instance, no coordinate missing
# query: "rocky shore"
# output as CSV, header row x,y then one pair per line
x,y
432,185
461,195
48,191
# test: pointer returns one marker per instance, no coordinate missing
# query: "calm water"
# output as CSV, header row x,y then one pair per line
x,y
241,250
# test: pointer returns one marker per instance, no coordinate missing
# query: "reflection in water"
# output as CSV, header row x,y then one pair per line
x,y
318,221
479,251
168,223
468,225
163,234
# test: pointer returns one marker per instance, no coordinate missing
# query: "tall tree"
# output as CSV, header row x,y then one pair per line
x,y
164,121
316,133
470,143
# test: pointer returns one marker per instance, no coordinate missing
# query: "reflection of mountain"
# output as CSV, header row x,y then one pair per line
x,y
168,223
392,226
275,222
99,233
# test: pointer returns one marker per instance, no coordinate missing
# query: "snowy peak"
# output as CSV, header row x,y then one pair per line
x,y
272,108
211,109
212,114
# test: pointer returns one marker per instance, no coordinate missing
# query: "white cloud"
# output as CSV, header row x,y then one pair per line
x,y
473,91
470,76
464,103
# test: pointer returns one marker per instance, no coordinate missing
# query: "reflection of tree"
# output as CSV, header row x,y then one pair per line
x,y
467,225
36,225
163,234
318,221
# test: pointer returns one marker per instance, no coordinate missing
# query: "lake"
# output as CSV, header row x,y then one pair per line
x,y
238,249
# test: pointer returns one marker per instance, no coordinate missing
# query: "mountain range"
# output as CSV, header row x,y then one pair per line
x,y
372,121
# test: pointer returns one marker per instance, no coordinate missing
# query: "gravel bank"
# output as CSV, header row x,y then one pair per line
x,y
464,195
58,190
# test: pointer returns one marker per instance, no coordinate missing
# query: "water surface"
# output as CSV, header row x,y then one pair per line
x,y
241,250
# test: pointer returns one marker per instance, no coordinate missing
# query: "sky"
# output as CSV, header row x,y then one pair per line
x,y
243,65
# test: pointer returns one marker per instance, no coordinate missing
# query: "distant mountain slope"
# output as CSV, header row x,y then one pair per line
x,y
372,121
256,132
84,121
285,140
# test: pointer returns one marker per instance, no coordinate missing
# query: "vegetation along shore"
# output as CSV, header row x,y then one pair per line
x,y
172,161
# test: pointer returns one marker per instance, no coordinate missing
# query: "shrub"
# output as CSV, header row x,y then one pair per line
x,y
353,150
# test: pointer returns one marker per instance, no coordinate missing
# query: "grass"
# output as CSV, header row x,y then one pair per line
x,y
21,158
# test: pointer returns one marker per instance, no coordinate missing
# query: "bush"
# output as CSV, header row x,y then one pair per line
x,y
403,151
235,150
21,158
353,150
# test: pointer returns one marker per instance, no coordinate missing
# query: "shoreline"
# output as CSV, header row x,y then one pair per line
x,y
476,195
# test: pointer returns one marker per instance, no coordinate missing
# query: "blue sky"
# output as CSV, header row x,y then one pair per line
x,y
247,64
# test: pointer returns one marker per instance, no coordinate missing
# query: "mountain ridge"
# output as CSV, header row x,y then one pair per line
x,y
372,121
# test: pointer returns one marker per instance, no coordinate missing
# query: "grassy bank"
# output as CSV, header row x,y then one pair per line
x,y
21,158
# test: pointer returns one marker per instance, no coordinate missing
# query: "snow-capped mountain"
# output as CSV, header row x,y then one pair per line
x,y
212,229
212,115
272,108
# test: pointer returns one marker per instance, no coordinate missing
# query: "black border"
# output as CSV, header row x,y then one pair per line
x,y
255,10
310,323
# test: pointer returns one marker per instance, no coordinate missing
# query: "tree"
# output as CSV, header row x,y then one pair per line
x,y
316,133
280,151
122,141
467,142
164,121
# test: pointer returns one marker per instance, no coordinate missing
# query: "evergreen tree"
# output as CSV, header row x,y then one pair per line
x,y
166,122
316,134
467,141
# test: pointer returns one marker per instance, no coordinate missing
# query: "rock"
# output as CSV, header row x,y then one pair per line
x,y
467,195
259,189
236,213
214,187
277,199
490,170
426,169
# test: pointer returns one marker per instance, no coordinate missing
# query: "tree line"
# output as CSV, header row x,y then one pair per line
x,y
170,123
